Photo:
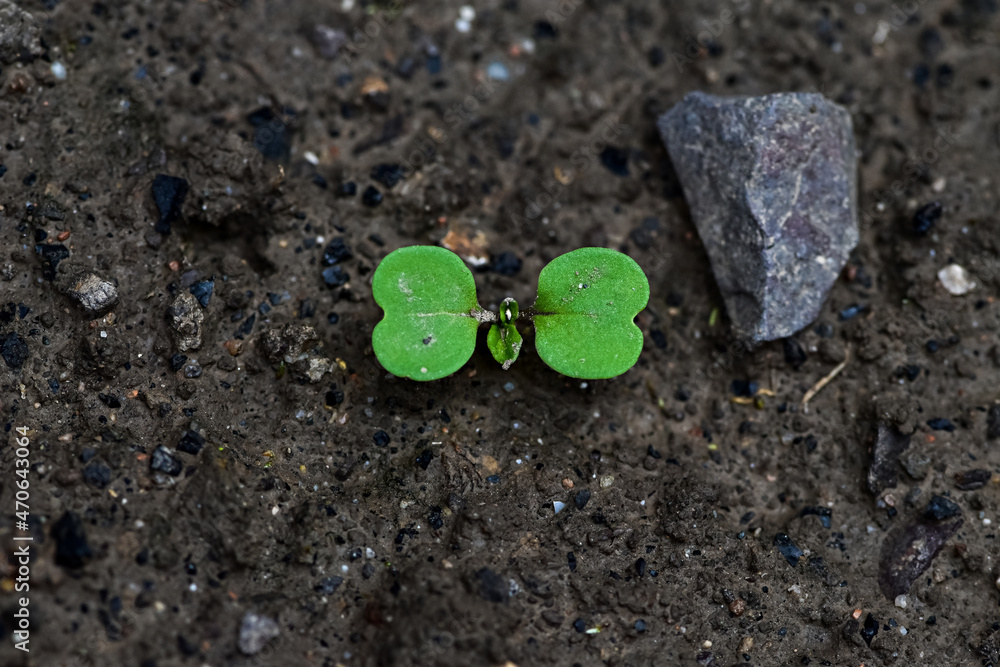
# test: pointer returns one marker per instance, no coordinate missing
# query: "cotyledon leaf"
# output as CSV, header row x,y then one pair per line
x,y
587,301
431,316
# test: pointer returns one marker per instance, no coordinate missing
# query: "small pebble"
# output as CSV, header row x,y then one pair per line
x,y
255,632
202,291
465,17
940,508
956,280
497,71
177,361
169,193
941,424
95,295
371,197
788,549
388,174
14,350
335,276
164,461
925,218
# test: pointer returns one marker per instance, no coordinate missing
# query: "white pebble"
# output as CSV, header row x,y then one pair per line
x,y
901,601
558,506
956,279
59,71
497,71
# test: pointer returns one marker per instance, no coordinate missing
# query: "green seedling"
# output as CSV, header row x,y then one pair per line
x,y
584,314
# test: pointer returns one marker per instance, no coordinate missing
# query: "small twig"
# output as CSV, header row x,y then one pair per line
x,y
826,379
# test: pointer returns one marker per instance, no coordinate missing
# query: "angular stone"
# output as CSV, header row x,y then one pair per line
x,y
168,193
163,460
14,350
185,318
19,33
907,554
772,186
888,444
94,294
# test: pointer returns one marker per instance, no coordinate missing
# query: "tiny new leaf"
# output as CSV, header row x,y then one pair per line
x,y
503,339
587,301
431,317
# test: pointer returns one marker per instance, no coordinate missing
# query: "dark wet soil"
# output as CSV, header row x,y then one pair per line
x,y
384,522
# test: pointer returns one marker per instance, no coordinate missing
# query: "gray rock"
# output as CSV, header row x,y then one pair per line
x,y
185,318
327,41
888,444
18,33
256,631
14,350
94,294
163,460
772,186
295,346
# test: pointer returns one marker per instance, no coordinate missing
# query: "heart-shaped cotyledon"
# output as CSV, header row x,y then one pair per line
x,y
431,317
585,311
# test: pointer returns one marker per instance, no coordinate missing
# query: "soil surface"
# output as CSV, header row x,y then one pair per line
x,y
710,516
